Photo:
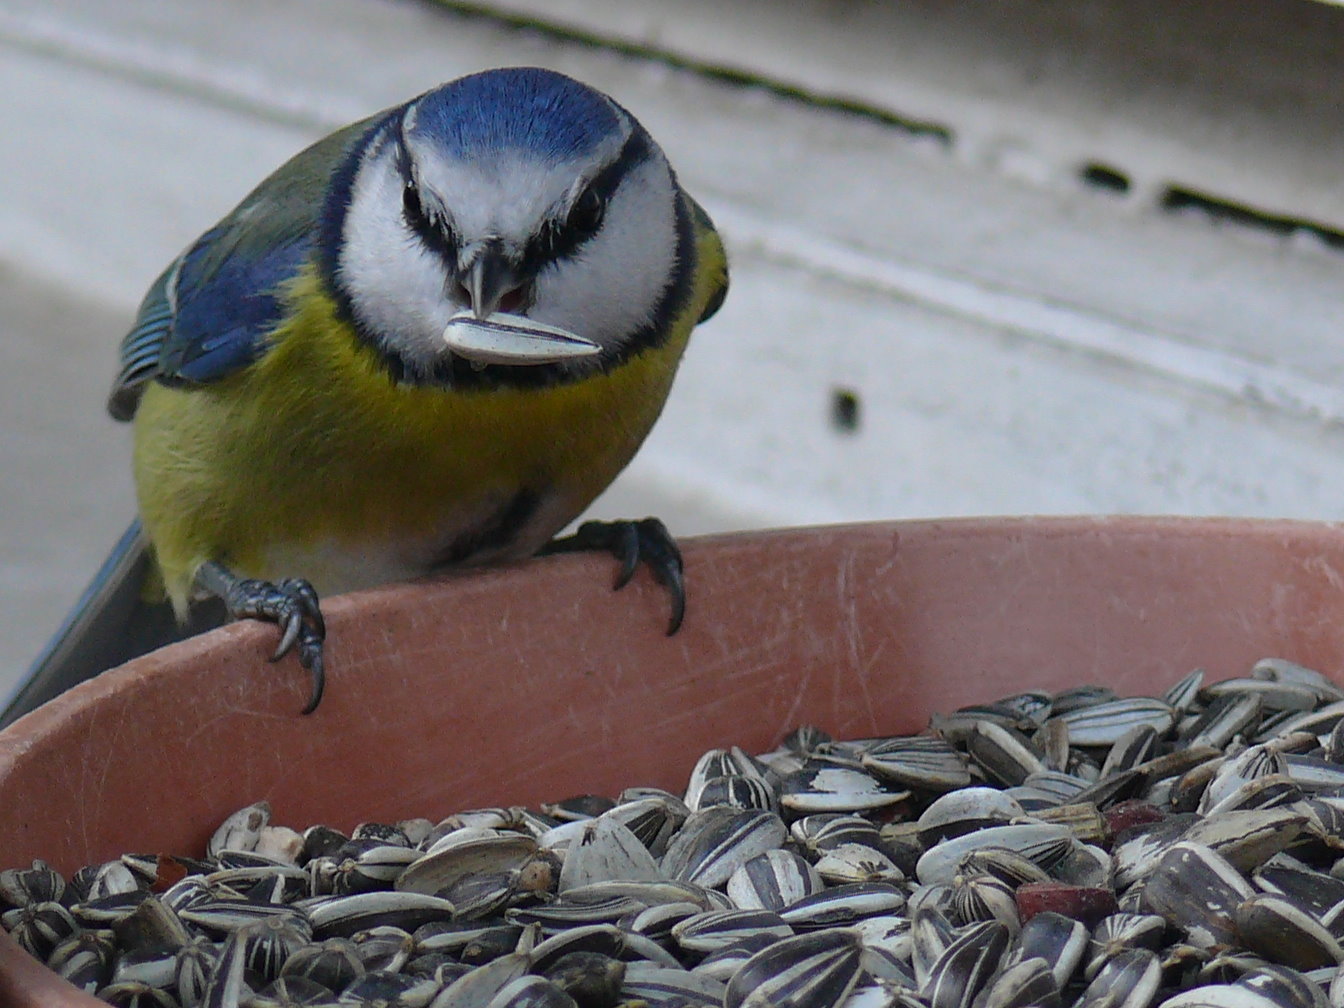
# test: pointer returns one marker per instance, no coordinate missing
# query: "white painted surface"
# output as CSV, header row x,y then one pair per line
x,y
1018,342
1234,98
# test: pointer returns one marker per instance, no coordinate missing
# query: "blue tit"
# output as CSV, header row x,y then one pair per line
x,y
427,341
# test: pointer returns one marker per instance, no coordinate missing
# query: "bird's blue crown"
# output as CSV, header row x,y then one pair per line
x,y
519,108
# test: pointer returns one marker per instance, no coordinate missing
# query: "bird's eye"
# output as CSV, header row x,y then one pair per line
x,y
410,204
585,216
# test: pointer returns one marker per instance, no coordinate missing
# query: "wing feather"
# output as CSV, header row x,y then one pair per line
x,y
209,314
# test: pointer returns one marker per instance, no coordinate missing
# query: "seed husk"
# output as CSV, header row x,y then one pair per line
x,y
1194,888
920,761
1129,979
712,844
817,970
1104,724
342,916
1042,843
1285,932
241,831
1121,931
818,787
1005,755
965,811
777,878
966,966
712,930
607,850
657,984
1027,984
1059,940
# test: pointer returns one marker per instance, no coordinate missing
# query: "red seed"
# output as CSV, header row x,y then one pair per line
x,y
1125,814
1082,903
169,871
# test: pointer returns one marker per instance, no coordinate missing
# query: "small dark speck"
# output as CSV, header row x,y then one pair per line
x,y
845,410
1101,176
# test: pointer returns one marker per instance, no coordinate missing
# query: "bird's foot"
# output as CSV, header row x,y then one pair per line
x,y
291,604
644,541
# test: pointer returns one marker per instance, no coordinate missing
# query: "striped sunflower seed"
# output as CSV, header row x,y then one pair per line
x,y
817,970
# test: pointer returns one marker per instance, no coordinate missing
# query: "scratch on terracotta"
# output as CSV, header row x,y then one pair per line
x,y
852,635
120,712
746,661
1321,565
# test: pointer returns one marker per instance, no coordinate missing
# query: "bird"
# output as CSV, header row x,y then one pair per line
x,y
426,342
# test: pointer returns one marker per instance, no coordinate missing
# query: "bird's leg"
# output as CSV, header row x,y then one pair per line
x,y
291,604
644,541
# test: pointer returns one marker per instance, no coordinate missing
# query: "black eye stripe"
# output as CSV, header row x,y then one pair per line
x,y
560,238
435,234
411,207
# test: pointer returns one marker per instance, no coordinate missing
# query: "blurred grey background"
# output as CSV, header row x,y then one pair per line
x,y
1018,257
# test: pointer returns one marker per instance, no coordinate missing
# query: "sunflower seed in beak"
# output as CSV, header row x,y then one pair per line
x,y
502,338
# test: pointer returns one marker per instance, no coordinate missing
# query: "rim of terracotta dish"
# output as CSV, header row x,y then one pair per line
x,y
249,634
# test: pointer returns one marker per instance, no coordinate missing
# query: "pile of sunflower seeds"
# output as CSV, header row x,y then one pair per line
x,y
1045,849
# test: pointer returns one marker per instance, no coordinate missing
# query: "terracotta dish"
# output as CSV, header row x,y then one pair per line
x,y
535,682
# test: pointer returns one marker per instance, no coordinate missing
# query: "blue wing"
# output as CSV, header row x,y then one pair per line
x,y
211,311
227,298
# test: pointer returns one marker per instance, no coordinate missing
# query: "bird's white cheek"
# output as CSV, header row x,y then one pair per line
x,y
612,286
396,285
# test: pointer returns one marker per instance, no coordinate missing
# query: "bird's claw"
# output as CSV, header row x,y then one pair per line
x,y
645,541
291,604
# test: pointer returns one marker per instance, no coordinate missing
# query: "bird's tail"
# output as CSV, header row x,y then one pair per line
x,y
111,623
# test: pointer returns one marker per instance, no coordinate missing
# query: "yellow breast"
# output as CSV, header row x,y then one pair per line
x,y
314,456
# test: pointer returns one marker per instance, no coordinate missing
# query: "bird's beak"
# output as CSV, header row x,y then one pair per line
x,y
485,335
490,277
